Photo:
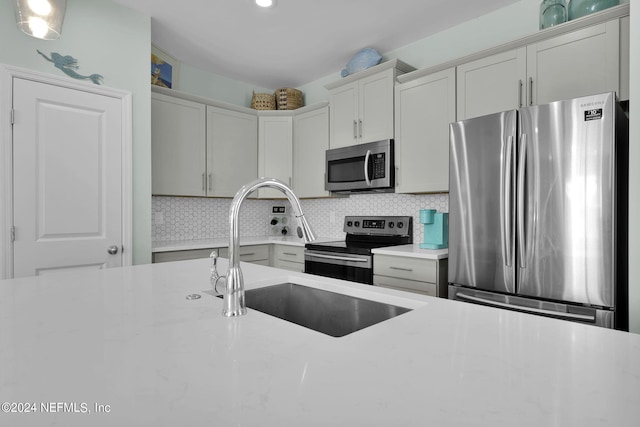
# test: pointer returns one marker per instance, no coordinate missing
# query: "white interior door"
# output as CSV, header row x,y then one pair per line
x,y
67,179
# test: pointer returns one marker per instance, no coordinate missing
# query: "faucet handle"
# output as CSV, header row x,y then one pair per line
x,y
215,277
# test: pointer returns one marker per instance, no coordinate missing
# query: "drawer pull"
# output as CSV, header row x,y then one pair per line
x,y
400,268
289,253
248,254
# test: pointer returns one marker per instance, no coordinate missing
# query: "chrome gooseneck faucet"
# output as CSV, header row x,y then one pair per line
x,y
233,303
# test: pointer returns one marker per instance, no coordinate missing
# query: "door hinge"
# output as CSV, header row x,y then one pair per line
x,y
13,233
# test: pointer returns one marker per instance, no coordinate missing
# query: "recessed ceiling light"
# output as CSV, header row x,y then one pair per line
x,y
264,3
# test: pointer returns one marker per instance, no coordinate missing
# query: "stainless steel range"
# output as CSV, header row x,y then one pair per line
x,y
351,259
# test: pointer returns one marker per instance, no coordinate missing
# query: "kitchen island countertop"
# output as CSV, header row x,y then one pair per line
x,y
125,346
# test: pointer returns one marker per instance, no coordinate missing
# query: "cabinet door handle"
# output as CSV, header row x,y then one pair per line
x,y
530,90
360,128
355,129
210,182
519,93
204,182
400,268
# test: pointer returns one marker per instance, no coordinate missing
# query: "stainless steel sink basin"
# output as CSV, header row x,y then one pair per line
x,y
328,312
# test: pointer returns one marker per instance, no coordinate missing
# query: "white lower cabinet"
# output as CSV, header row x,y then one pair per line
x,y
257,254
424,276
181,255
289,257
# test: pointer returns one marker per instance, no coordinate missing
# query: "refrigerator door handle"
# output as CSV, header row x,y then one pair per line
x,y
564,315
507,211
521,198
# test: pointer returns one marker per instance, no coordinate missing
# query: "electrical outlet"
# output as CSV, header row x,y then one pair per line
x,y
158,218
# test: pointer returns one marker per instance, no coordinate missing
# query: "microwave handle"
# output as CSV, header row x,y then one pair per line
x,y
366,168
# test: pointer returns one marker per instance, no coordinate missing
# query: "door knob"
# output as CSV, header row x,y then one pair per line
x,y
112,250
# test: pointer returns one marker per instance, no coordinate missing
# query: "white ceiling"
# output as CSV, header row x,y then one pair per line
x,y
297,41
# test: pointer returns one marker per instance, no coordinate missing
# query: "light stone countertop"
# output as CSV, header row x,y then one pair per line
x,y
183,245
412,251
128,338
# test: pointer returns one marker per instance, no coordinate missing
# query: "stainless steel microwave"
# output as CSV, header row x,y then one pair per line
x,y
362,167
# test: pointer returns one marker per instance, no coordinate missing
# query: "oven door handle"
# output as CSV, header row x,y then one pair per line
x,y
338,258
366,168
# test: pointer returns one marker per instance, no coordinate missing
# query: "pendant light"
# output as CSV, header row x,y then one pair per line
x,y
265,3
41,19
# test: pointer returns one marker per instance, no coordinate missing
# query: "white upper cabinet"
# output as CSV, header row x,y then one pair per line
x,y
178,132
232,150
424,109
584,62
199,149
492,84
578,63
362,105
275,151
310,141
344,115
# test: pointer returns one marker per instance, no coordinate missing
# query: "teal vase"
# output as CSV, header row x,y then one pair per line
x,y
552,12
579,8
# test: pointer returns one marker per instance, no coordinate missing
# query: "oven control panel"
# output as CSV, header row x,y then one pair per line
x,y
382,225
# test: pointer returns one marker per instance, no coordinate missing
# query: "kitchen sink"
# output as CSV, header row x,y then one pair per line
x,y
323,311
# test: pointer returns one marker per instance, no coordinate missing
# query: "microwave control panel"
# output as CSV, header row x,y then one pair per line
x,y
378,166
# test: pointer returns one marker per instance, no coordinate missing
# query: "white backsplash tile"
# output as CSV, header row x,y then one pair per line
x,y
188,218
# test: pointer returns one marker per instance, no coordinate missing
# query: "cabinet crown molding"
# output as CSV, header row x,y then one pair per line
x,y
400,66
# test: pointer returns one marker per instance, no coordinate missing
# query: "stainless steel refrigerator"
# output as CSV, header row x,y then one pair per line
x,y
538,205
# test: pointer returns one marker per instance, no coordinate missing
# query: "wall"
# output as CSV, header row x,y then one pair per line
x,y
114,41
195,81
187,218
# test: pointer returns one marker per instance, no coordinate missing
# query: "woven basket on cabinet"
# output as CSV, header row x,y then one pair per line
x,y
288,98
263,101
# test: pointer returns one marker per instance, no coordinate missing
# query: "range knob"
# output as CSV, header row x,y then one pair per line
x,y
349,223
357,224
400,224
391,224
